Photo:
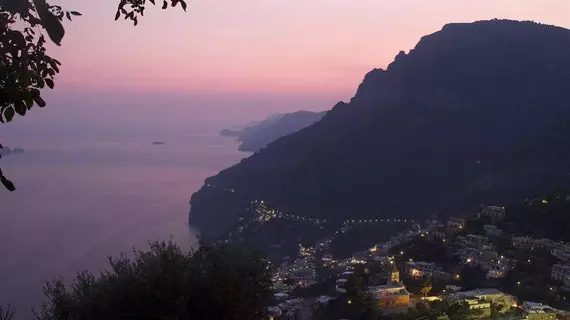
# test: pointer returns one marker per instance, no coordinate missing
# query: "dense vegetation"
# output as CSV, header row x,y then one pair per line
x,y
458,121
226,282
540,218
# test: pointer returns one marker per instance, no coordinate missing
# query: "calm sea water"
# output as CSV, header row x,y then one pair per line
x,y
86,193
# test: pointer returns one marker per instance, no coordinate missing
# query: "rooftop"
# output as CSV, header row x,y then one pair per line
x,y
324,299
384,293
476,236
561,266
476,293
420,264
532,304
388,287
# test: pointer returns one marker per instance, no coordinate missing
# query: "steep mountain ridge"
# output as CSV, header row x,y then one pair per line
x,y
258,135
439,130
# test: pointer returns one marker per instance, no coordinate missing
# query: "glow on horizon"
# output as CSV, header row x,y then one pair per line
x,y
260,46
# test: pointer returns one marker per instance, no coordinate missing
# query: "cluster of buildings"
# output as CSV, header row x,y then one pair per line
x,y
560,250
291,274
561,272
478,251
287,307
421,269
380,251
495,214
393,297
473,249
481,299
538,311
296,273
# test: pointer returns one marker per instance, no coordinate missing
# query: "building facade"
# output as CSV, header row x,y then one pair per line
x,y
457,222
392,297
561,272
495,213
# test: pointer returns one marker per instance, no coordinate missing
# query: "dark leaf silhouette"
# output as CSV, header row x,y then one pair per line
x,y
49,83
25,66
8,114
7,313
50,22
7,183
19,6
20,108
39,101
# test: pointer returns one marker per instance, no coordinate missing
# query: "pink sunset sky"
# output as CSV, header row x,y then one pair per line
x,y
249,58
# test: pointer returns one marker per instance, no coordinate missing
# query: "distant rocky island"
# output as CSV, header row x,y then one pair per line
x,y
229,133
258,135
475,113
6,151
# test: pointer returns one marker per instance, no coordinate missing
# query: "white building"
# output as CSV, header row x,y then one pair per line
x,y
491,230
457,222
532,243
538,310
561,250
560,272
494,212
487,294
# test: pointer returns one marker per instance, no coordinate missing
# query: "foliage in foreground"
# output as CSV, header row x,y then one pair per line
x,y
7,313
25,66
223,282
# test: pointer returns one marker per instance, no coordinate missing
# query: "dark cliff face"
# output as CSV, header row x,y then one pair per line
x,y
445,126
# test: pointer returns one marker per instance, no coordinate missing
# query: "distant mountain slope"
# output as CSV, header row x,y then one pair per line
x,y
258,135
454,122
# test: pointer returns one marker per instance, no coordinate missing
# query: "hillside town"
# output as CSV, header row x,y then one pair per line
x,y
463,267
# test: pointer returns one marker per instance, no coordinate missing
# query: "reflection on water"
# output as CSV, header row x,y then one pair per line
x,y
83,197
